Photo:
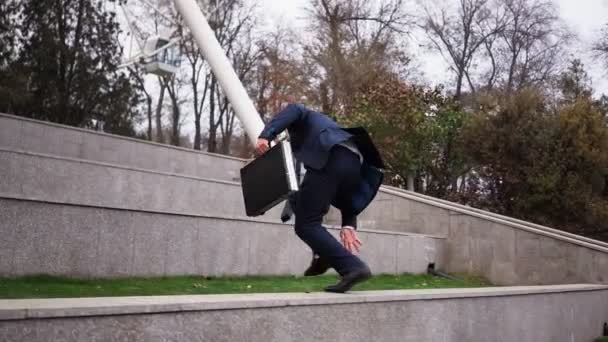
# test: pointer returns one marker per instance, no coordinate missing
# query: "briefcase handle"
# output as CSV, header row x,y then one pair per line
x,y
281,137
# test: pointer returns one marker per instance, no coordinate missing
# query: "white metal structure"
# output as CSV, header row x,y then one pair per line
x,y
221,67
161,56
158,54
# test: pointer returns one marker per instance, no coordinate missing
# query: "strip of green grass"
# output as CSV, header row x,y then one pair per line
x,y
56,287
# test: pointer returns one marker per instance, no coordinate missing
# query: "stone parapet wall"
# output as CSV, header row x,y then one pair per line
x,y
505,252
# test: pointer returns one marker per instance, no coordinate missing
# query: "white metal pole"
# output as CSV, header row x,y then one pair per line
x,y
221,67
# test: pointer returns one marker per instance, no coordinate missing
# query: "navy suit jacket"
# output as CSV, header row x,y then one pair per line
x,y
312,135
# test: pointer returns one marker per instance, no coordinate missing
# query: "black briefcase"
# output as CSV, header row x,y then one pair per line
x,y
268,179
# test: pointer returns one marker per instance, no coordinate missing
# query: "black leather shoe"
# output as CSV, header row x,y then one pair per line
x,y
318,266
350,279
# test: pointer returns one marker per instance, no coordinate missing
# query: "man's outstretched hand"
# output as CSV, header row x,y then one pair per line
x,y
350,240
261,146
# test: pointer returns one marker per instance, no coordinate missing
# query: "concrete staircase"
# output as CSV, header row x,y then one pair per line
x,y
56,164
81,203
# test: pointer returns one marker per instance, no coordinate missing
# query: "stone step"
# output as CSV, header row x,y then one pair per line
x,y
54,179
34,176
527,314
22,134
88,241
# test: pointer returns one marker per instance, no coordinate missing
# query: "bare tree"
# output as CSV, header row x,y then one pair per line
x,y
198,77
245,56
143,22
353,42
494,69
600,47
199,74
136,74
532,42
458,35
486,66
159,111
173,85
232,21
281,74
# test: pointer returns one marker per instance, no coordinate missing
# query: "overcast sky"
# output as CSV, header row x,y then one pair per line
x,y
585,18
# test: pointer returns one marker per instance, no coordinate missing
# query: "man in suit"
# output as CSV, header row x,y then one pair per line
x,y
343,170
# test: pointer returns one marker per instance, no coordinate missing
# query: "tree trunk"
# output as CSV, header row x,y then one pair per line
x,y
197,108
175,125
198,111
410,182
149,103
463,184
226,144
197,134
459,84
454,185
175,117
159,107
212,143
511,73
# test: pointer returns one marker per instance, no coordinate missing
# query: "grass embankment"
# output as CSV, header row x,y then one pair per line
x,y
56,287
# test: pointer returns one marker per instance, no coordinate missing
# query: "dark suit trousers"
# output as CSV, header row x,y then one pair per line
x,y
339,177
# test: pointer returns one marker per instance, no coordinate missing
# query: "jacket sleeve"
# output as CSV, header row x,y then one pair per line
x,y
348,219
281,121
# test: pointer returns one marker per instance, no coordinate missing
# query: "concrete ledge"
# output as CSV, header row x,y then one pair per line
x,y
80,241
548,313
